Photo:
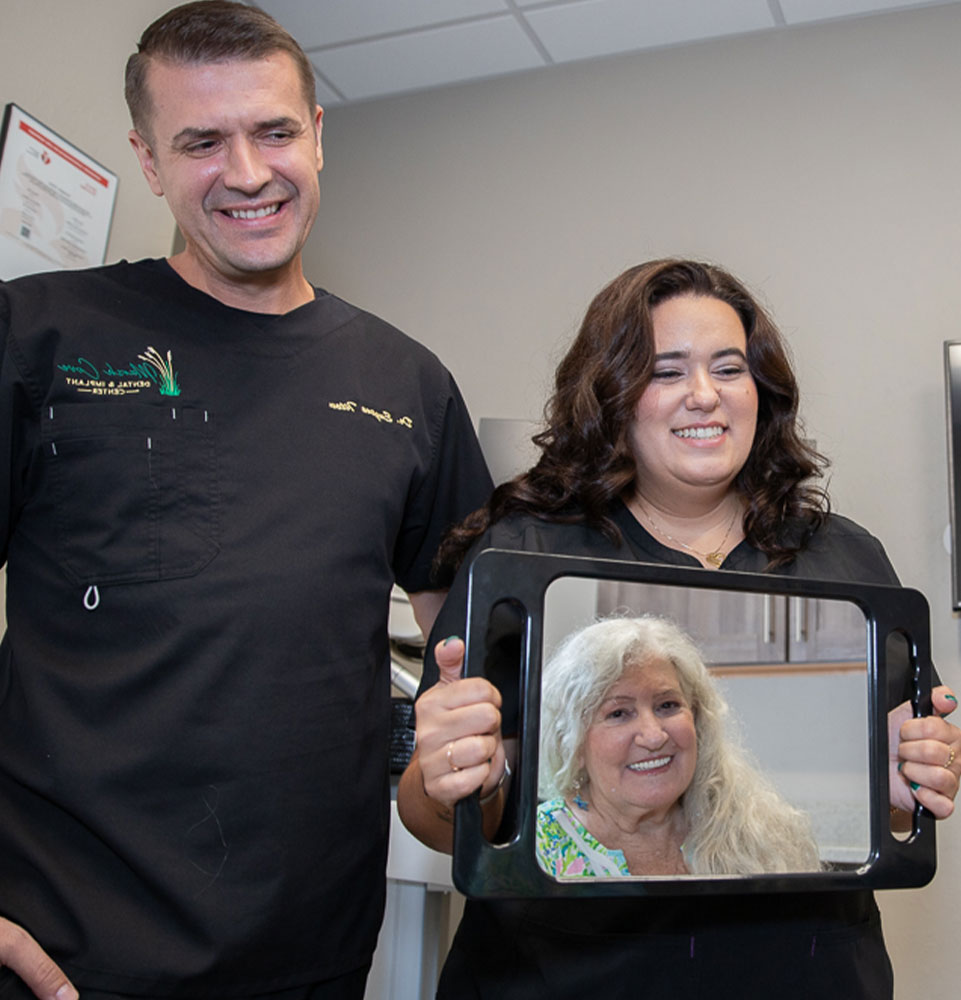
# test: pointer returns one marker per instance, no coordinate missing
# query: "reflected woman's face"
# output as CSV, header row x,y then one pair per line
x,y
641,747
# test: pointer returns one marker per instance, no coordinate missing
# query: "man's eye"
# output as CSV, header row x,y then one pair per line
x,y
201,148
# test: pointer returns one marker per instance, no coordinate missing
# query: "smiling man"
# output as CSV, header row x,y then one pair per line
x,y
213,473
235,149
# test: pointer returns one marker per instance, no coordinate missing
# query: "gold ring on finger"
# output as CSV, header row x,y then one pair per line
x,y
454,767
950,759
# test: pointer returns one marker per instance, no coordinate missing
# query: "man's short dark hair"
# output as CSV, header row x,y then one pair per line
x,y
209,31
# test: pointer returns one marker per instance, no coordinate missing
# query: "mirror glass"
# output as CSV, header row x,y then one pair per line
x,y
793,672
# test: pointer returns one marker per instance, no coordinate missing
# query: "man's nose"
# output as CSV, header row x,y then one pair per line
x,y
246,169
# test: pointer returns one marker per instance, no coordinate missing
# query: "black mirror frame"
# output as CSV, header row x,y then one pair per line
x,y
482,869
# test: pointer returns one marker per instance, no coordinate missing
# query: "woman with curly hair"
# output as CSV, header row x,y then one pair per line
x,y
595,424
671,437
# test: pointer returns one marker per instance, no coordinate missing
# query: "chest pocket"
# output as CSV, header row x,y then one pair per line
x,y
135,489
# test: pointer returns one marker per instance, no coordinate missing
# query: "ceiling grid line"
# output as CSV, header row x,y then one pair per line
x,y
370,49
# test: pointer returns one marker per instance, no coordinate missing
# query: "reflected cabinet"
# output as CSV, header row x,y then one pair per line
x,y
734,628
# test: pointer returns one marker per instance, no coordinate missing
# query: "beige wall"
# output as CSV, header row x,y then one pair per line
x,y
63,63
821,164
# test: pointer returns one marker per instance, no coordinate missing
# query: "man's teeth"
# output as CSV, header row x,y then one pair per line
x,y
699,432
649,765
254,213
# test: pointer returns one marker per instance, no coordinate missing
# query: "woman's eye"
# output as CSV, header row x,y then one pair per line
x,y
730,371
666,374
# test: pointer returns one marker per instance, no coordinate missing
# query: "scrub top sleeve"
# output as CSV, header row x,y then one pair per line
x,y
455,484
15,406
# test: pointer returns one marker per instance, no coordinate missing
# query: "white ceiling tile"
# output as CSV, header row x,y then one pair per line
x,y
428,58
379,47
799,11
601,27
325,96
316,23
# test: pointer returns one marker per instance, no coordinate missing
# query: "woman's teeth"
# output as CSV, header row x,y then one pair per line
x,y
649,765
699,432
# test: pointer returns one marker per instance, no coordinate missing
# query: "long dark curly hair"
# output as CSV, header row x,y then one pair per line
x,y
586,461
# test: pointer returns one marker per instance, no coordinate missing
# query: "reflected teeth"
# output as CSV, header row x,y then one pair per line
x,y
699,432
254,213
649,765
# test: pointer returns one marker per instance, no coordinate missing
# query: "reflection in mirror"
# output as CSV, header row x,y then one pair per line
x,y
793,672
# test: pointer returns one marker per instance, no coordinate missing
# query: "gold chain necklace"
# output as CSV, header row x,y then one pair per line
x,y
714,558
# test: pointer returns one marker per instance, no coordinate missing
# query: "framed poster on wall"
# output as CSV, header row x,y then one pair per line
x,y
56,203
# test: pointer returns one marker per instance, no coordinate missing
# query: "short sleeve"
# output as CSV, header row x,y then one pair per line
x,y
456,483
14,408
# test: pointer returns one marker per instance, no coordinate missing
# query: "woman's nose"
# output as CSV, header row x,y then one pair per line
x,y
703,393
650,735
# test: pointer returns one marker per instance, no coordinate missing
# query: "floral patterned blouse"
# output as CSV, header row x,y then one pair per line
x,y
565,849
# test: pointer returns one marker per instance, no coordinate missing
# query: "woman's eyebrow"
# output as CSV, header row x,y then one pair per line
x,y
617,698
681,355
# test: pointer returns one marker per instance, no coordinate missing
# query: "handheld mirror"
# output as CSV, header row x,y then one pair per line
x,y
808,668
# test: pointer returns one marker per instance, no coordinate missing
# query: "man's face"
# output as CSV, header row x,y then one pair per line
x,y
235,150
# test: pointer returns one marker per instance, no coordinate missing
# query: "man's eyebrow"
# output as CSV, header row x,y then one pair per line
x,y
282,121
191,134
194,133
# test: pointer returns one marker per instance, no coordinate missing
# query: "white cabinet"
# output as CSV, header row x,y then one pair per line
x,y
732,627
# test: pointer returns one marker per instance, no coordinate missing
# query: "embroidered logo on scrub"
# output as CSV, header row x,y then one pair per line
x,y
151,370
381,416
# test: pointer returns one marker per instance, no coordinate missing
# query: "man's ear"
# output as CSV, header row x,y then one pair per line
x,y
145,155
318,127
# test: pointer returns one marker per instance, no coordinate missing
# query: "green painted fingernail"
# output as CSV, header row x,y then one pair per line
x,y
900,765
451,638
914,786
951,697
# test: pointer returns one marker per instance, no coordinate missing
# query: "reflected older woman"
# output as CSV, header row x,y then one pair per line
x,y
645,779
672,437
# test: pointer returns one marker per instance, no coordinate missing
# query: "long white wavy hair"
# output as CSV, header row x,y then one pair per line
x,y
737,823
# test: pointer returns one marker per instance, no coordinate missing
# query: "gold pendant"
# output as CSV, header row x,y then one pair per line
x,y
715,559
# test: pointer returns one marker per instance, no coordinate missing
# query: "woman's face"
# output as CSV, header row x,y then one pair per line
x,y
641,747
694,423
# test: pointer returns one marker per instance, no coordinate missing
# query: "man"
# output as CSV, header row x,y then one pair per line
x,y
214,474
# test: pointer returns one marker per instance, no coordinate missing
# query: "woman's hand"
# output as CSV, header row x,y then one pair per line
x,y
459,750
925,756
459,745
